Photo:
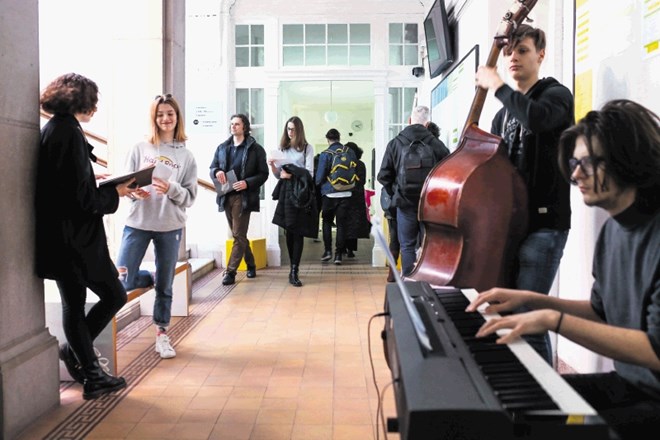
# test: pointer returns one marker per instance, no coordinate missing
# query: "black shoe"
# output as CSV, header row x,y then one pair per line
x,y
337,257
350,254
327,256
71,363
251,272
230,278
98,382
293,276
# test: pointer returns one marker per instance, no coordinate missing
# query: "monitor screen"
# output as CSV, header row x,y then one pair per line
x,y
452,98
438,42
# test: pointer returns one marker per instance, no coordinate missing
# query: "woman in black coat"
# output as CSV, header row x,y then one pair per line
x,y
71,245
295,193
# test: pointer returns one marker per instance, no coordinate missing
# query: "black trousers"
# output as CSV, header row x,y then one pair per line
x,y
82,329
629,411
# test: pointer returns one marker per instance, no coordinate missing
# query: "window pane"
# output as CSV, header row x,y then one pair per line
x,y
257,110
258,134
293,34
395,33
338,55
410,55
337,33
360,56
315,34
293,56
314,55
257,34
242,56
410,33
394,105
242,34
408,99
394,131
258,56
242,100
396,57
360,33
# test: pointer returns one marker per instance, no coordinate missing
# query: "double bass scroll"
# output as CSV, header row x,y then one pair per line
x,y
474,203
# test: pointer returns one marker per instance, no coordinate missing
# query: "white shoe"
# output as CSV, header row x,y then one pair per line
x,y
163,346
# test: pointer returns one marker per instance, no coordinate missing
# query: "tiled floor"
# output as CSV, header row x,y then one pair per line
x,y
257,360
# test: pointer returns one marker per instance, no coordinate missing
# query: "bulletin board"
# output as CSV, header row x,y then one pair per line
x,y
617,53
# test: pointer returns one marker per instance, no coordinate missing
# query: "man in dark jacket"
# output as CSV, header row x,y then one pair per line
x,y
534,116
247,159
406,204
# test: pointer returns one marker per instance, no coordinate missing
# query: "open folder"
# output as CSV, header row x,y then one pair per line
x,y
142,178
224,188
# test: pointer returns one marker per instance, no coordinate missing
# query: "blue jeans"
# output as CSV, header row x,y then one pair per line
x,y
538,261
134,244
408,230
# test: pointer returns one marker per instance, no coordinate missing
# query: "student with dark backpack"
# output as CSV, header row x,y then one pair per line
x,y
407,161
336,176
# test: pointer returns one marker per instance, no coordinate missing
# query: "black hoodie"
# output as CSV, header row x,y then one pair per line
x,y
544,112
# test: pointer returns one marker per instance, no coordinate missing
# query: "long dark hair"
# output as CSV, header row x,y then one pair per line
x,y
629,136
246,123
298,142
70,93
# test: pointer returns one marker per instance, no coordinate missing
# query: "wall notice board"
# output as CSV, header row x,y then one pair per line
x,y
617,53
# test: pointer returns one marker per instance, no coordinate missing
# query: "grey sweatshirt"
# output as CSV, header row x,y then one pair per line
x,y
175,163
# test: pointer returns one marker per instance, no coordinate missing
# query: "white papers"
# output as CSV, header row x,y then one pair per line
x,y
279,158
162,171
224,188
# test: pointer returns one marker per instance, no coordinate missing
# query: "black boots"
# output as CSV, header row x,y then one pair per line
x,y
293,276
71,363
229,279
98,382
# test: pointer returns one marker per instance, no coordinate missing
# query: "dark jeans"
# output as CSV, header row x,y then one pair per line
x,y
409,231
335,209
239,222
538,260
630,412
80,329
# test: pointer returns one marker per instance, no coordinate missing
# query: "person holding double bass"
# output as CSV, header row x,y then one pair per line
x,y
534,115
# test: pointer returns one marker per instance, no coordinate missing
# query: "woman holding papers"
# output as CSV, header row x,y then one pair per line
x,y
296,211
158,213
71,245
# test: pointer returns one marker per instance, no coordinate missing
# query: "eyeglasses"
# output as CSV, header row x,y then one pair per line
x,y
291,129
587,164
163,98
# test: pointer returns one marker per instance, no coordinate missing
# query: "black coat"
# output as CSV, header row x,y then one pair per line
x,y
357,224
254,170
70,236
390,166
297,209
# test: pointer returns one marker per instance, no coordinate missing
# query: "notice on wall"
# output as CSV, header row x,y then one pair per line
x,y
203,117
616,53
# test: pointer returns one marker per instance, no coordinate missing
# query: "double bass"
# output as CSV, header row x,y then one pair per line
x,y
473,205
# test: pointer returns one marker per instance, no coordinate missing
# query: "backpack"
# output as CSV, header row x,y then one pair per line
x,y
416,163
343,169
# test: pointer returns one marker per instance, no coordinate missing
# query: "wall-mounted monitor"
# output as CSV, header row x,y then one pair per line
x,y
439,48
452,98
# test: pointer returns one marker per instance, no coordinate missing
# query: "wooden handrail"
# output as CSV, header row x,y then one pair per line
x,y
104,163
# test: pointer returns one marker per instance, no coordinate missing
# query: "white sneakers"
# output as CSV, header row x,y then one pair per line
x,y
163,346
